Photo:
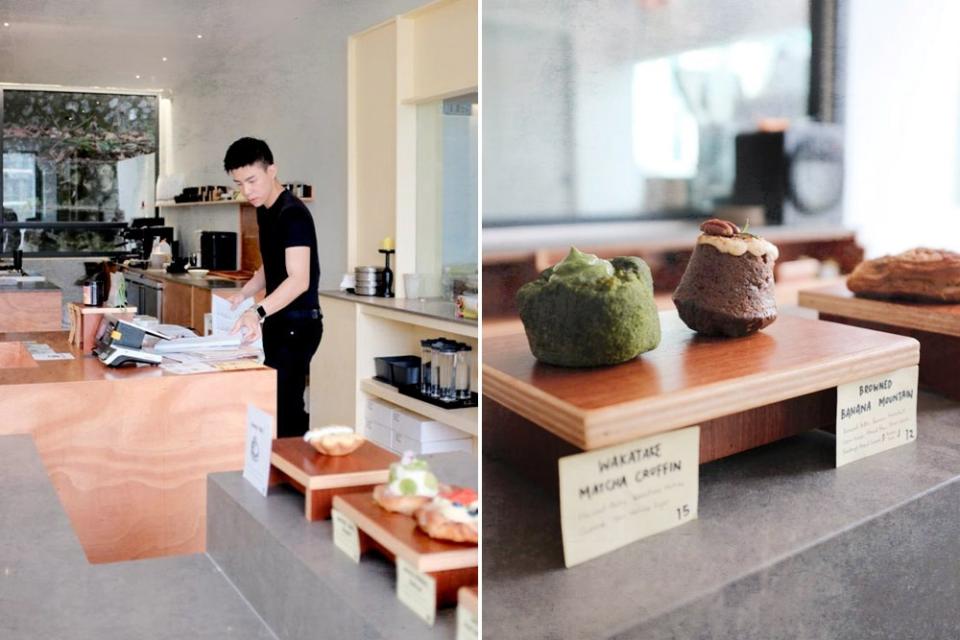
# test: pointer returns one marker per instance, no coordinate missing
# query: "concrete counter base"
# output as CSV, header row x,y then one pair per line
x,y
786,546
48,590
289,570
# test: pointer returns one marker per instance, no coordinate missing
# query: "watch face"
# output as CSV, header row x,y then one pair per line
x,y
815,177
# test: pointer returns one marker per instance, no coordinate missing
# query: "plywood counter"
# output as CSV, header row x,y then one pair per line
x,y
30,306
128,450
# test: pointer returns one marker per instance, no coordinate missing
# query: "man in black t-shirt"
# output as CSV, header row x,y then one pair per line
x,y
288,318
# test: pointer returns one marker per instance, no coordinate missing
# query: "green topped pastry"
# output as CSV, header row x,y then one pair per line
x,y
588,312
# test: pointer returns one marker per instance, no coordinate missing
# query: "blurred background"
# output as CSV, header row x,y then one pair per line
x,y
620,125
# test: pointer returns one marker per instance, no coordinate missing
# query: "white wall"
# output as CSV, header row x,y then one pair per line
x,y
136,186
291,90
902,120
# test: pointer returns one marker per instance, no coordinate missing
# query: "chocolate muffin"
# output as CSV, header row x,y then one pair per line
x,y
727,289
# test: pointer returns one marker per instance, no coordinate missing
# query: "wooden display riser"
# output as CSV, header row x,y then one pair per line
x,y
534,451
320,477
743,392
935,326
453,565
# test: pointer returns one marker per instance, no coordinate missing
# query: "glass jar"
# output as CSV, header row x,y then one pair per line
x,y
444,362
463,365
426,356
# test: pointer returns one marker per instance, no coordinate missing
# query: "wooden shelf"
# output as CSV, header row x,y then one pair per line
x,y
465,420
166,204
687,380
837,300
421,320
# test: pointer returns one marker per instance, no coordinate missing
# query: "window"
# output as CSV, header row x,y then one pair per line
x,y
76,167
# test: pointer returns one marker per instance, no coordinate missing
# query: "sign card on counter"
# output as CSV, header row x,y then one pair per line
x,y
259,442
417,590
346,536
467,626
617,495
876,414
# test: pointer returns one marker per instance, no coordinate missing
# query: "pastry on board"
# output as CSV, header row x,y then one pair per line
x,y
918,275
334,440
452,515
410,485
588,312
727,289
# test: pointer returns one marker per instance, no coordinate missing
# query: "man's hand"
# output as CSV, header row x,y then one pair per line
x,y
236,300
248,325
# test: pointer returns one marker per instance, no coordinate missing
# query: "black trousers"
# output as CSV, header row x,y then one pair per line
x,y
288,346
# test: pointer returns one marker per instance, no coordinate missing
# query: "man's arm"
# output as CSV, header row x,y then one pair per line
x,y
297,281
255,285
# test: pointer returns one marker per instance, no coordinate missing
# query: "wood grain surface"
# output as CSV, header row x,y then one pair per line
x,y
939,354
534,452
83,368
401,536
14,355
30,310
369,464
688,379
839,301
128,452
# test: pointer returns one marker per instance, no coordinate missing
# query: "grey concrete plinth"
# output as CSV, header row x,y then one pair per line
x,y
289,570
786,546
48,590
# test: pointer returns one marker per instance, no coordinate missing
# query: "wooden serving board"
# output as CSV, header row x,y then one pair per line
x,y
742,392
452,564
320,477
935,326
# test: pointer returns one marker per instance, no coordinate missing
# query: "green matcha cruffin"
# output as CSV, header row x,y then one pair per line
x,y
589,312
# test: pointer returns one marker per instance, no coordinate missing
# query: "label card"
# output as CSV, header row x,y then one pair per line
x,y
417,590
259,442
614,496
467,627
876,414
346,537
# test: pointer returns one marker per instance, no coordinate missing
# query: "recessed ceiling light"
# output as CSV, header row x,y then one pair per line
x,y
138,76
199,35
164,58
6,24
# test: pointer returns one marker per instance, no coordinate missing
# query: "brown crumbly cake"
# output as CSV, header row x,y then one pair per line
x,y
727,289
919,275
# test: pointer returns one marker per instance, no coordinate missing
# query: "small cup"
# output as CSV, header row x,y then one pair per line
x,y
411,285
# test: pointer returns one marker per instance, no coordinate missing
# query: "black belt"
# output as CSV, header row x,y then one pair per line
x,y
300,314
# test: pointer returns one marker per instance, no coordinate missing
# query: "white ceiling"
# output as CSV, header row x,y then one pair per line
x,y
107,43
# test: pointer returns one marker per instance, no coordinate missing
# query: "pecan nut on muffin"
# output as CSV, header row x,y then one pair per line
x,y
727,288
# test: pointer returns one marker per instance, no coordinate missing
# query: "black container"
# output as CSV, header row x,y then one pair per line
x,y
398,370
218,250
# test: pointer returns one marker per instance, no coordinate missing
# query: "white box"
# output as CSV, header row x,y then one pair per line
x,y
379,411
417,427
378,434
403,443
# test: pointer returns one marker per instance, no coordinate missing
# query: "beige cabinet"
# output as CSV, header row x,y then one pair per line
x,y
416,58
342,371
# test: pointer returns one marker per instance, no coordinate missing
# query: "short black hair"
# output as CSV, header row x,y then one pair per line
x,y
247,151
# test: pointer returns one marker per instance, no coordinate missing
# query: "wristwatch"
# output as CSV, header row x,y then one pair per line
x,y
261,312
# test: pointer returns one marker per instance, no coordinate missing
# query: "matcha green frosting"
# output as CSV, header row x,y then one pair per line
x,y
587,312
